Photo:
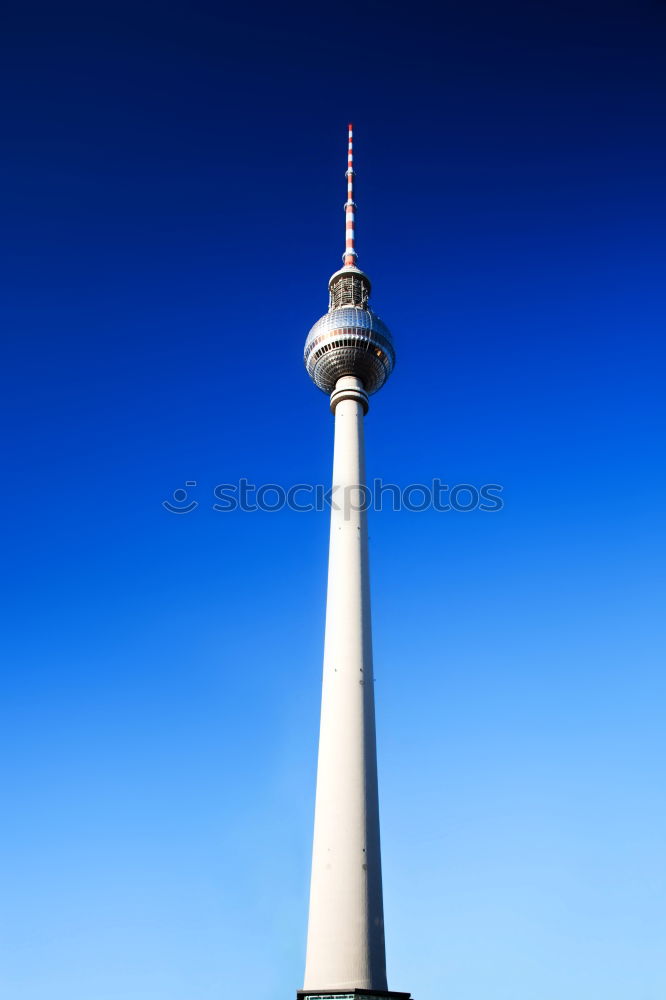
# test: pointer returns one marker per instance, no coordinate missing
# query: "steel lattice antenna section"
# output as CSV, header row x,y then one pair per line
x,y
349,256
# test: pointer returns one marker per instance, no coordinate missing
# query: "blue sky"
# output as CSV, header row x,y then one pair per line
x,y
172,187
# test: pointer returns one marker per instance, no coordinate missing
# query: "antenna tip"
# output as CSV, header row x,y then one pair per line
x,y
350,126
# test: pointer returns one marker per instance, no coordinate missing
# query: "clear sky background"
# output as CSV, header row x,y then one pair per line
x,y
172,181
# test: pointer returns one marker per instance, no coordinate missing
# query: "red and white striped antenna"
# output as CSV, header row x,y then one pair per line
x,y
349,256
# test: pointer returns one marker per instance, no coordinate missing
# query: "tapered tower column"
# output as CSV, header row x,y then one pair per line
x,y
349,355
346,924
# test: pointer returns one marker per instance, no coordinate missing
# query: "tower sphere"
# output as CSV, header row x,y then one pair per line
x,y
349,339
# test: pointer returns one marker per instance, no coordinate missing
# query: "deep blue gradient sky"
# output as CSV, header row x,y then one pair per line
x,y
172,187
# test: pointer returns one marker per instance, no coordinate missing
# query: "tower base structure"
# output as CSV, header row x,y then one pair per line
x,y
355,994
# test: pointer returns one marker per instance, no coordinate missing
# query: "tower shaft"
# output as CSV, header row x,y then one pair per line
x,y
346,923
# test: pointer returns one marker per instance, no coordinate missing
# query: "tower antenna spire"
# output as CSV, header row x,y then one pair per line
x,y
349,256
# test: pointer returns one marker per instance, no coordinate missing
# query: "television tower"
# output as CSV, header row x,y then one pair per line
x,y
349,355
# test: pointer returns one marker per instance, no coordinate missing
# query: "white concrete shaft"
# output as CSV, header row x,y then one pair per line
x,y
346,922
